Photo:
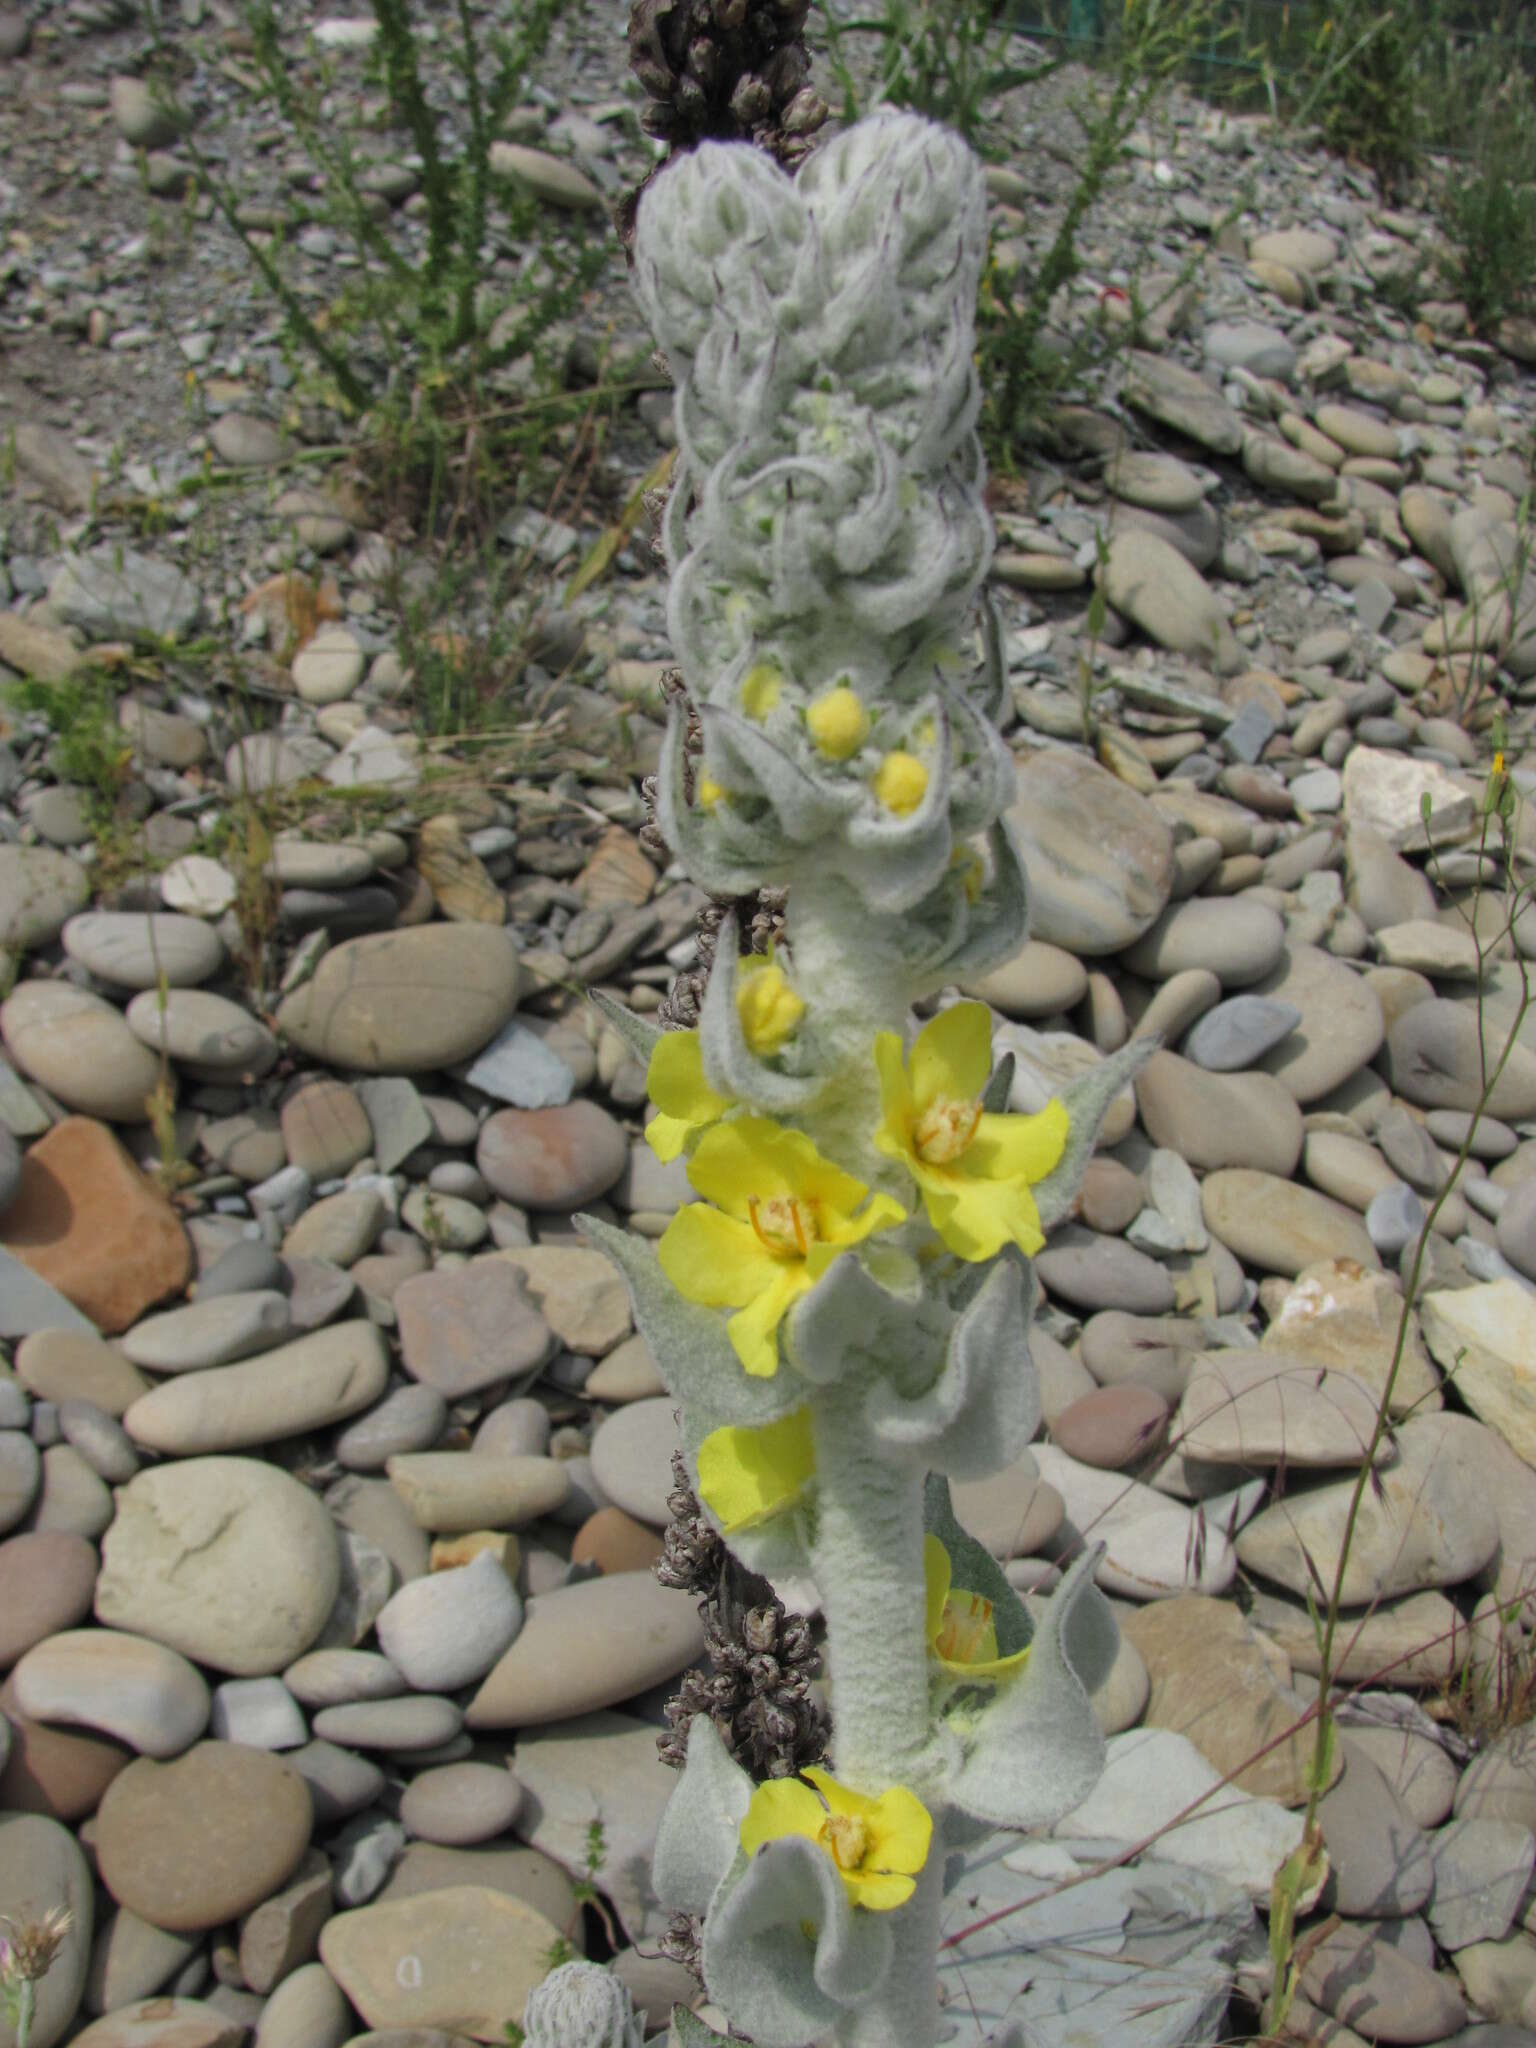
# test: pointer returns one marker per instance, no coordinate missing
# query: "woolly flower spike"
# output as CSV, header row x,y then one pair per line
x,y
878,1845
960,1630
974,1169
782,1214
747,1476
686,1102
580,2005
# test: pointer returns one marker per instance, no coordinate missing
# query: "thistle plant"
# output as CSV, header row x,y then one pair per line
x,y
842,1315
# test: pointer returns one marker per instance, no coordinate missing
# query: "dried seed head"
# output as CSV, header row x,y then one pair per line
x,y
31,1945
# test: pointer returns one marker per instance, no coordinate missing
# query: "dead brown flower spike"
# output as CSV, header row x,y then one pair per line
x,y
31,1945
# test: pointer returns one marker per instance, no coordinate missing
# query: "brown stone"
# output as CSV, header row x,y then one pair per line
x,y
552,1158
613,1541
458,879
47,1578
1110,1196
202,1839
88,1222
1218,1682
165,2023
54,1771
284,1931
1113,1426
466,1328
618,872
325,1128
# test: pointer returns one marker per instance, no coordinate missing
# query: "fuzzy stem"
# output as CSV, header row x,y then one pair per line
x,y
26,2009
868,1565
906,2007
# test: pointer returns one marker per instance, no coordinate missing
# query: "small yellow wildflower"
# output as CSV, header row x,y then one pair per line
x,y
768,1007
1498,763
687,1104
747,1476
709,792
901,783
974,1169
760,689
961,1633
878,1845
782,1214
838,723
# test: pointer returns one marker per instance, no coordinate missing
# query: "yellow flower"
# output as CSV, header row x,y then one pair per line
x,y
901,783
782,1214
768,1007
747,1476
709,792
974,1169
879,1845
838,723
760,688
675,1082
961,1634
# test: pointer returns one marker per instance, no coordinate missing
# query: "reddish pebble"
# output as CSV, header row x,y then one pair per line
x,y
1112,1427
616,1542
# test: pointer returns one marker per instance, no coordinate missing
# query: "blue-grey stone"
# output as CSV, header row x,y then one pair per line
x,y
113,593
1237,1033
249,1268
397,1114
28,1304
1394,1219
1249,733
518,1067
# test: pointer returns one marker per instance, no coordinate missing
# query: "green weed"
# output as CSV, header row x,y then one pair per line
x,y
1487,205
947,59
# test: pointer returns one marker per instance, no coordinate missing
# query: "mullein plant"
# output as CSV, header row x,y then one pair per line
x,y
842,1315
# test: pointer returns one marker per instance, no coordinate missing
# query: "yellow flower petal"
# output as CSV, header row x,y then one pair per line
x,y
1020,1147
713,1259
977,1217
897,1109
955,1618
747,1476
760,689
768,1007
753,1157
878,1845
754,1330
674,1080
952,1055
901,783
838,723
780,1807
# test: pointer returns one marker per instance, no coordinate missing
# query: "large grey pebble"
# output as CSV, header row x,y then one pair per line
x,y
1238,1032
134,949
632,1458
1094,1272
414,1722
1236,940
448,1629
260,1712
410,1419
216,1330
